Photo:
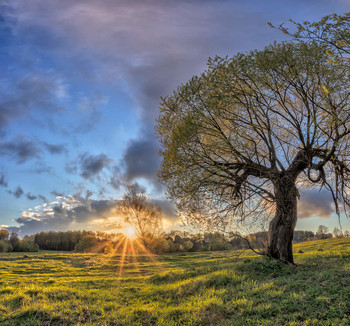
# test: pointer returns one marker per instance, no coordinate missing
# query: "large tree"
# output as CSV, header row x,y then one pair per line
x,y
243,137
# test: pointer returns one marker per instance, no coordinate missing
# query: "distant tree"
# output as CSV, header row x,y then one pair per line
x,y
322,229
300,236
347,234
143,216
14,240
337,233
322,232
4,234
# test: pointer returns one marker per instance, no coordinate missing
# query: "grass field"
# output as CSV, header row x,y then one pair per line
x,y
216,288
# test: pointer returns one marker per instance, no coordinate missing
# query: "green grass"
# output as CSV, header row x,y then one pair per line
x,y
216,288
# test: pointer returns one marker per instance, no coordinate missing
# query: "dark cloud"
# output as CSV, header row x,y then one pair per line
x,y
91,165
88,194
315,203
57,193
40,168
30,196
168,208
29,94
59,210
54,149
3,181
21,149
141,160
18,192
43,198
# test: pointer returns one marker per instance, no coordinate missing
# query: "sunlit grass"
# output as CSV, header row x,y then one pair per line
x,y
207,288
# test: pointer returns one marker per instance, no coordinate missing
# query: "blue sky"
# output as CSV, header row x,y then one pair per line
x,y
80,87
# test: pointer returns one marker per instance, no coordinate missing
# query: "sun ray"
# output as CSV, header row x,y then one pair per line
x,y
122,258
145,250
133,255
119,243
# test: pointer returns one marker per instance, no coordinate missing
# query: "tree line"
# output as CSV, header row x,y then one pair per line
x,y
175,241
12,243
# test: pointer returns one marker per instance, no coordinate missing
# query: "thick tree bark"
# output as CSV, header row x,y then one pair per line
x,y
282,226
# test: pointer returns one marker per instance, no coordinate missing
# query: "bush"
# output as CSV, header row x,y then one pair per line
x,y
188,245
109,249
87,244
218,243
158,245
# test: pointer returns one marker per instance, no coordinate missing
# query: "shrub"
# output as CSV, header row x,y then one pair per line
x,y
188,245
158,245
109,249
87,244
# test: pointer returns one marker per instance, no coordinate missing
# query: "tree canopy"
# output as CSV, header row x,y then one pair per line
x,y
332,31
242,138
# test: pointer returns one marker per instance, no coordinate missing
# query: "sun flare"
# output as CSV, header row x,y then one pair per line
x,y
129,232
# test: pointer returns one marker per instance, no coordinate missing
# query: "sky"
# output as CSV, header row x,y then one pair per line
x,y
80,88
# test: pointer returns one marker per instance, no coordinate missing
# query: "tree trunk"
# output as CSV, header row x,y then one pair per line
x,y
282,226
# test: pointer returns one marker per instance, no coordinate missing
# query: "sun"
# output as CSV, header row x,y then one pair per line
x,y
129,232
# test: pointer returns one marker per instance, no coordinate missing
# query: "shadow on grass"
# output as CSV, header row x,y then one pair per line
x,y
34,317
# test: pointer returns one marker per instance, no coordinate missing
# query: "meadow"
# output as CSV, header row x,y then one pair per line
x,y
206,288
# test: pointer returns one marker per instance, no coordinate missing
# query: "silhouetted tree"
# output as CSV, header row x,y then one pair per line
x,y
143,216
